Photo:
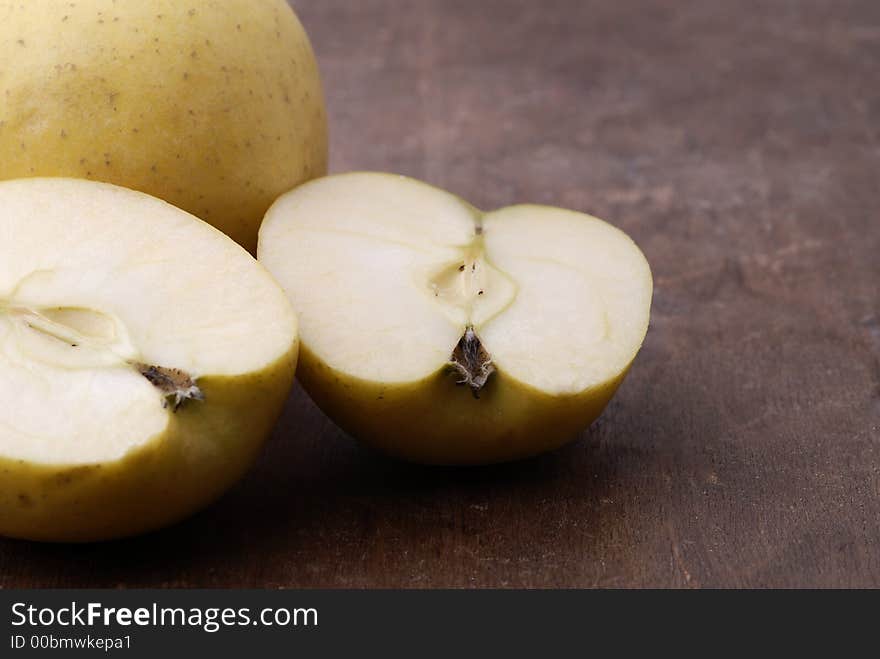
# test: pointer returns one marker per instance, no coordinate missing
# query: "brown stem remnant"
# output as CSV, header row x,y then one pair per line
x,y
176,386
472,362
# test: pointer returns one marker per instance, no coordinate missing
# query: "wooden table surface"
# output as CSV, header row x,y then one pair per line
x,y
739,144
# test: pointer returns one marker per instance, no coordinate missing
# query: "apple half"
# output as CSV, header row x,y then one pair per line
x,y
144,358
440,334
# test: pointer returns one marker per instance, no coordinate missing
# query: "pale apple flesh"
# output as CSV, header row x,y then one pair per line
x,y
404,292
144,357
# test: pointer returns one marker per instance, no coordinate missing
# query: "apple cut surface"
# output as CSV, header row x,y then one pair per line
x,y
404,291
144,357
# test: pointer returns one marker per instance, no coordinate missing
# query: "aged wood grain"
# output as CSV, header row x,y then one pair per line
x,y
739,143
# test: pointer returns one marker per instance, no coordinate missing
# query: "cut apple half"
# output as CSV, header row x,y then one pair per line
x,y
441,334
144,357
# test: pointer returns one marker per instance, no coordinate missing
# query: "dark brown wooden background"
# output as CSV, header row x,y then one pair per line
x,y
739,144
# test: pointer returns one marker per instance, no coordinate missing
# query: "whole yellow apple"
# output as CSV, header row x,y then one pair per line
x,y
215,107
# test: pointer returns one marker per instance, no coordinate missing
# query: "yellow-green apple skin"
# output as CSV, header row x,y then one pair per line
x,y
434,421
215,107
99,285
178,472
390,277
